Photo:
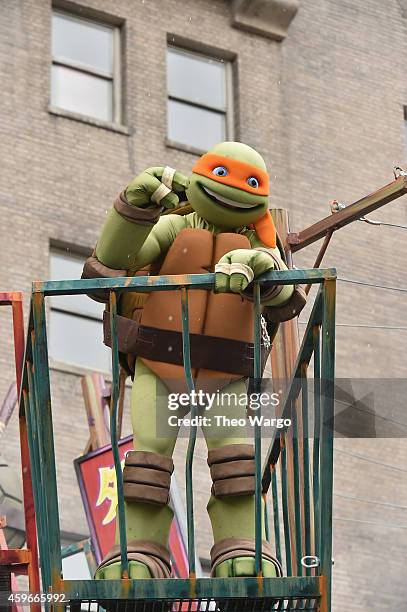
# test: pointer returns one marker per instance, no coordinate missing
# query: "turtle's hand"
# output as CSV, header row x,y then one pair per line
x,y
157,186
238,268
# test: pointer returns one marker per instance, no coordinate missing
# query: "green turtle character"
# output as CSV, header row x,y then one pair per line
x,y
229,231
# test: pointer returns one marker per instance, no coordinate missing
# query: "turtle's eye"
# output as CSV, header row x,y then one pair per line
x,y
220,171
253,182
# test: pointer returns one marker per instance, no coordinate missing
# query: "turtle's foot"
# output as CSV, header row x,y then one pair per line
x,y
241,567
114,571
147,559
235,557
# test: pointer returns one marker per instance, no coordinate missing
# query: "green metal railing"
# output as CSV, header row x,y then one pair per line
x,y
308,531
311,480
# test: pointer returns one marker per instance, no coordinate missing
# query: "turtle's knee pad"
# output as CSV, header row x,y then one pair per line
x,y
232,470
147,477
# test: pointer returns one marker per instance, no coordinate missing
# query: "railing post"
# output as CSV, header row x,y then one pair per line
x,y
306,464
283,356
316,441
297,488
286,519
274,493
295,467
257,432
113,433
36,460
192,434
328,378
29,511
46,437
36,473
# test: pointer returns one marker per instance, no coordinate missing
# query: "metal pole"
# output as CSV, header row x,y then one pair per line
x,y
29,510
283,356
192,434
46,437
328,378
257,432
348,214
121,515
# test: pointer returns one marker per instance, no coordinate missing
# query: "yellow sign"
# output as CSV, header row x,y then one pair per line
x,y
108,491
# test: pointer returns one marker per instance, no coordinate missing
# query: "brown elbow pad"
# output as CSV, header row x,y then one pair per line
x,y
93,268
232,470
289,310
147,477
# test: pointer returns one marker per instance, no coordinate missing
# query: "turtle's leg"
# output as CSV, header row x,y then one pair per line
x,y
147,476
231,506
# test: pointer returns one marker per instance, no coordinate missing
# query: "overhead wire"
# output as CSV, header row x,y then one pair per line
x,y
370,501
384,223
366,325
386,525
371,460
366,284
357,282
356,455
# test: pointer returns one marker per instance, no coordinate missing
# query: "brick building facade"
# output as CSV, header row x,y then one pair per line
x,y
325,106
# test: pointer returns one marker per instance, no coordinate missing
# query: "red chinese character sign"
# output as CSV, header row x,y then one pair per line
x,y
97,483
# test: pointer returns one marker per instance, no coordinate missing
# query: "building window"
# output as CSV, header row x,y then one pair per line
x,y
199,99
75,324
85,71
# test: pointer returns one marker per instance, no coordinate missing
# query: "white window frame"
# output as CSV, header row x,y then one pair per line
x,y
227,112
115,77
68,366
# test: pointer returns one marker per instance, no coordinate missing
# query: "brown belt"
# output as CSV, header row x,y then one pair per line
x,y
208,352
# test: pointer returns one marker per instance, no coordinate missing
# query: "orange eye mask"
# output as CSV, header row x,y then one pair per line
x,y
237,173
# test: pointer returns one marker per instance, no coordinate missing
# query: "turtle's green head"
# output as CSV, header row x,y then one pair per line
x,y
229,186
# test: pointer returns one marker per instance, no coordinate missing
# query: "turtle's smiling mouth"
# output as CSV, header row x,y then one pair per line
x,y
227,202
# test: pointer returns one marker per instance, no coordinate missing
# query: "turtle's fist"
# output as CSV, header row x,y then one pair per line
x,y
238,268
159,185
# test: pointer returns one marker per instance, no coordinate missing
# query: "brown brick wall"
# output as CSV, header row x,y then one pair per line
x,y
325,107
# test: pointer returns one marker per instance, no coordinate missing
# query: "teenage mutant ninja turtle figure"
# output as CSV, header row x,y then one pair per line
x,y
230,232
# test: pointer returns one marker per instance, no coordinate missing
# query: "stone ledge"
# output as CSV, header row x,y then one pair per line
x,y
270,18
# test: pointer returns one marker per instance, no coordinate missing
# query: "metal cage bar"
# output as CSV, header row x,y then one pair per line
x,y
284,492
192,434
274,493
312,533
45,435
297,488
257,373
306,465
15,300
326,451
304,592
114,437
317,433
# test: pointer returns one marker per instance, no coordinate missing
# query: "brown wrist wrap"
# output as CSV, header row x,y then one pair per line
x,y
94,268
137,214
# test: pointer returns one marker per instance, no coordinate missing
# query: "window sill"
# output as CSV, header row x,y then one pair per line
x,y
172,144
106,125
76,370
